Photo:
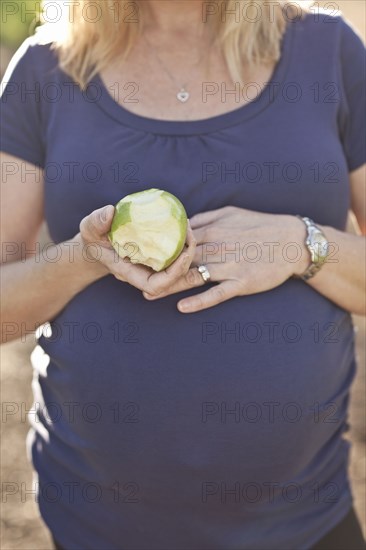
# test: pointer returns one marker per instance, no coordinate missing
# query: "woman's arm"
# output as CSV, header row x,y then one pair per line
x,y
35,289
344,280
224,240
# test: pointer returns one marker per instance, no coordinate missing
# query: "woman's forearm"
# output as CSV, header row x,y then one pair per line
x,y
342,279
36,290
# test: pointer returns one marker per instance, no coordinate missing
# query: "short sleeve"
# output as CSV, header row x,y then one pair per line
x,y
353,74
20,104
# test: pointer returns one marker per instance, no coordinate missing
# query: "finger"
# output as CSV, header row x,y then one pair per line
x,y
190,238
207,253
210,298
205,234
205,218
141,276
124,270
192,279
96,226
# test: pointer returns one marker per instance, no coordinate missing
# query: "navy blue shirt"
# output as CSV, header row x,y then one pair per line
x,y
217,430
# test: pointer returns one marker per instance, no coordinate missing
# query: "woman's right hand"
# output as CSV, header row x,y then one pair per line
x,y
94,230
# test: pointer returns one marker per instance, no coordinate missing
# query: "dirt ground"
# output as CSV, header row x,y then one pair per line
x,y
21,526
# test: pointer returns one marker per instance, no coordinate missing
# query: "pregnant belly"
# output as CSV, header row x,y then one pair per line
x,y
253,389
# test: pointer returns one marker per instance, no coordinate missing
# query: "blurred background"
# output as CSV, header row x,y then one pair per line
x,y
21,526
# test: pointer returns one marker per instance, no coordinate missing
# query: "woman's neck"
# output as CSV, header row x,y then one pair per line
x,y
174,16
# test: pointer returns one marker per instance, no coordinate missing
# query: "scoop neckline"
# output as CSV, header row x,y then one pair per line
x,y
205,125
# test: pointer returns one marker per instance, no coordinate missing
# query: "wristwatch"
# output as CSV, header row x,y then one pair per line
x,y
318,247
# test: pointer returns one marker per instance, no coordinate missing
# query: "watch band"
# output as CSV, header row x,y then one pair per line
x,y
318,256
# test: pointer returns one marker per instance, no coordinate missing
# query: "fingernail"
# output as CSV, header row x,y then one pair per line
x,y
182,306
105,213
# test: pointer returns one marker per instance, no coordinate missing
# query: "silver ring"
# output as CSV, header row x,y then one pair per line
x,y
202,269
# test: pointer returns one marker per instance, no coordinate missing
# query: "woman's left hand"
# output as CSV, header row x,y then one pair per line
x,y
244,251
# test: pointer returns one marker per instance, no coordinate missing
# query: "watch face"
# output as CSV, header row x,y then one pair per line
x,y
320,247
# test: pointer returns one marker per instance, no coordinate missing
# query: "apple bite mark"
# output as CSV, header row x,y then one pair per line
x,y
150,228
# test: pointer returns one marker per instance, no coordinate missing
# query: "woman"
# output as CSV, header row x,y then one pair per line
x,y
157,428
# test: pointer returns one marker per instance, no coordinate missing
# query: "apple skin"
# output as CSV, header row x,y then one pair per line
x,y
153,223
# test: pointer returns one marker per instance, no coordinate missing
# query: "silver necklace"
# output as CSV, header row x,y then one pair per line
x,y
182,95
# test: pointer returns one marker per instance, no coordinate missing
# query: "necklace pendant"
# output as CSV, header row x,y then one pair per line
x,y
183,95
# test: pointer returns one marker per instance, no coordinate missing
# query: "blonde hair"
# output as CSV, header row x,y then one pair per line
x,y
248,32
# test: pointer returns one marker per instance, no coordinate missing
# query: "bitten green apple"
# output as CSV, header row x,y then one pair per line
x,y
150,228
